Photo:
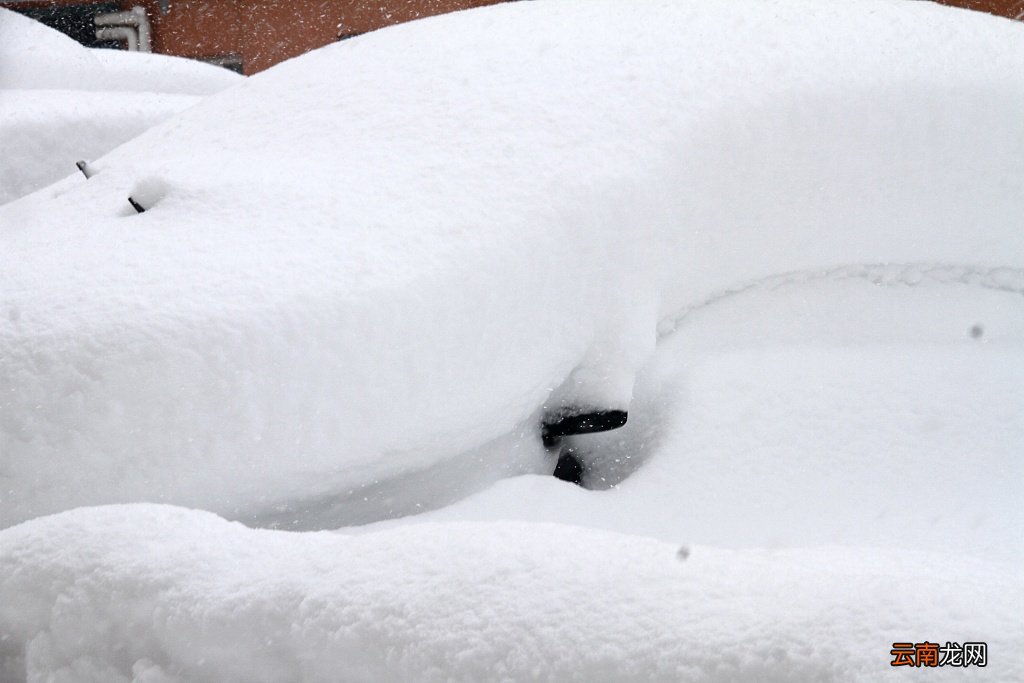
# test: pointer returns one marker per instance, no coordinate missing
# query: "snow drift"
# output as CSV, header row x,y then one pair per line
x,y
150,593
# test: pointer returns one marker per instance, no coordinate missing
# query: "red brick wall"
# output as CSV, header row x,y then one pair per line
x,y
265,32
1013,9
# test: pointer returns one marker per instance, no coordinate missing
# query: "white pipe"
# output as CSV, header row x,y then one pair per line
x,y
114,19
125,33
135,20
145,32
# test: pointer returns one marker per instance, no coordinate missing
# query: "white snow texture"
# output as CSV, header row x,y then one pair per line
x,y
788,236
61,102
155,593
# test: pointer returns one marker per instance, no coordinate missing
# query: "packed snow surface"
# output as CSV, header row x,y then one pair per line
x,y
61,102
363,275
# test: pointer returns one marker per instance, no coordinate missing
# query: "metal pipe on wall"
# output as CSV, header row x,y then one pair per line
x,y
114,24
126,33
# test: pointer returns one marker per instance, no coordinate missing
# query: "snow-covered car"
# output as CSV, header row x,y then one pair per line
x,y
787,238
61,102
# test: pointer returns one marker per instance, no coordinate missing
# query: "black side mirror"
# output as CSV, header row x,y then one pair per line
x,y
567,423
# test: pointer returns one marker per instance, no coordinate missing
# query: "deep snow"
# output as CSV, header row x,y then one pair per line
x,y
819,412
413,251
800,223
159,594
43,133
61,102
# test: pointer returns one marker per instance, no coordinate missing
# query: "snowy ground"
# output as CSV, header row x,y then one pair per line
x,y
809,257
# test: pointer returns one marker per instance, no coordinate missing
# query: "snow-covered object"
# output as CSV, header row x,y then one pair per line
x,y
44,132
360,276
153,594
61,102
811,411
394,251
34,56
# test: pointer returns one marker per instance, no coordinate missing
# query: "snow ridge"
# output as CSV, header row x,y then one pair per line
x,y
146,593
1001,279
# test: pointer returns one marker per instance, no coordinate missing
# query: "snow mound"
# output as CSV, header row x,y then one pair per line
x,y
34,56
395,252
152,593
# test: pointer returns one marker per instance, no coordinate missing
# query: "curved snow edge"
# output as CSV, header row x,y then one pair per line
x,y
149,592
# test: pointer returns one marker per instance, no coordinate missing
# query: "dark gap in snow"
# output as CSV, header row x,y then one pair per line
x,y
569,468
574,422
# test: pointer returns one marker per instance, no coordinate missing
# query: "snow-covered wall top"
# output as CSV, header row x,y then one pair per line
x,y
34,56
398,248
